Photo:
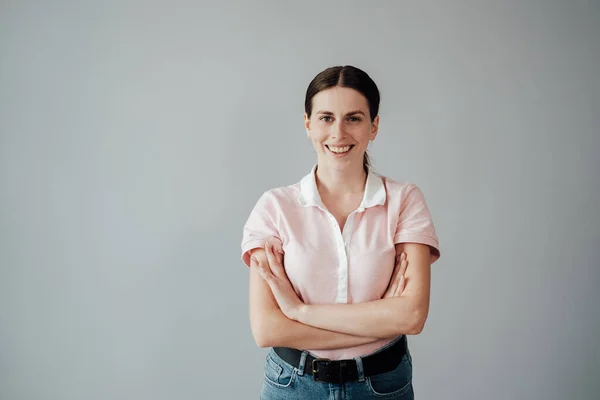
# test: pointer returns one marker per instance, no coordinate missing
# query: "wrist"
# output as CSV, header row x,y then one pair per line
x,y
300,313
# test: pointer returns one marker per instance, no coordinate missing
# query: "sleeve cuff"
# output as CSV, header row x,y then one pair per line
x,y
255,244
423,239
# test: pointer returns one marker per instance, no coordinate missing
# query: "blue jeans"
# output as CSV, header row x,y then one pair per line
x,y
283,381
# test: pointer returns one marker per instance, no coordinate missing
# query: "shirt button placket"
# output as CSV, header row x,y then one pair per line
x,y
346,237
342,293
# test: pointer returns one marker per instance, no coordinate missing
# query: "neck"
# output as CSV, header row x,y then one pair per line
x,y
338,182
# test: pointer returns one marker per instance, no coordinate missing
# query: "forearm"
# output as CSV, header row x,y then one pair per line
x,y
389,317
284,332
384,318
271,328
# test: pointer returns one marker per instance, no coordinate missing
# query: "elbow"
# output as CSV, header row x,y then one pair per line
x,y
264,330
417,322
261,334
416,328
262,341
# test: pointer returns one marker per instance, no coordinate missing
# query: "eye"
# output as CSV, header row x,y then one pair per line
x,y
325,118
354,119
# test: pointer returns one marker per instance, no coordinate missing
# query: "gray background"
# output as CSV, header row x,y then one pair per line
x,y
137,136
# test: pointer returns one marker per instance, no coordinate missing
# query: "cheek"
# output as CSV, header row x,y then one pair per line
x,y
364,135
317,136
316,144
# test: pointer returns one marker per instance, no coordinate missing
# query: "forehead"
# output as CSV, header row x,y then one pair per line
x,y
340,99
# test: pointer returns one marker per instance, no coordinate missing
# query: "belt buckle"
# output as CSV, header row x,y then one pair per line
x,y
315,363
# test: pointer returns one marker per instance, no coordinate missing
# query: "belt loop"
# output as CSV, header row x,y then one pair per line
x,y
302,363
359,367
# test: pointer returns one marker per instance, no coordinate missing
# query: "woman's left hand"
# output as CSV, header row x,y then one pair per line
x,y
397,283
274,274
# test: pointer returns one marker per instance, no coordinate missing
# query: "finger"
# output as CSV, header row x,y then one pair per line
x,y
393,290
401,285
392,286
278,257
400,257
277,250
277,247
263,271
274,264
388,292
401,279
270,255
397,270
403,266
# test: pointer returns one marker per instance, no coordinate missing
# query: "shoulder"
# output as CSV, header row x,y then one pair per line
x,y
398,187
280,196
404,196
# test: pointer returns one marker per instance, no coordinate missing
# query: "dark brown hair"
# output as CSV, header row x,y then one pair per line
x,y
349,77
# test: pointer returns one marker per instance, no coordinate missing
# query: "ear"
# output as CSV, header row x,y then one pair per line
x,y
374,128
307,124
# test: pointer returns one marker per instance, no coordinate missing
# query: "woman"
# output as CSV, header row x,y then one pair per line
x,y
340,261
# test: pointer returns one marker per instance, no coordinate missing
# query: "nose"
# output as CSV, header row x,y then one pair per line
x,y
337,130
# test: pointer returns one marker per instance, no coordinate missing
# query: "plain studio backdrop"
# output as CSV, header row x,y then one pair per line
x,y
137,136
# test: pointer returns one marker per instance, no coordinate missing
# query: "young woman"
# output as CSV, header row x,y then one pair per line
x,y
340,261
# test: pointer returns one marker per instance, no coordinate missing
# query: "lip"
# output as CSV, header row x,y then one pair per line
x,y
339,145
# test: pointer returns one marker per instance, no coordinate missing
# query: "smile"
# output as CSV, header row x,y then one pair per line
x,y
339,149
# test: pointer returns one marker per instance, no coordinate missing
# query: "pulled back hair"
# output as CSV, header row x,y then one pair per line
x,y
349,77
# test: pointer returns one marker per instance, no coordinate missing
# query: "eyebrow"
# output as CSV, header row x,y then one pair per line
x,y
347,114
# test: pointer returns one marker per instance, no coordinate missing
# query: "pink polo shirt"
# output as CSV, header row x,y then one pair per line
x,y
326,265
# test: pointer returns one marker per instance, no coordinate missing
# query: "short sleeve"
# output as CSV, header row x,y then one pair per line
x,y
415,224
260,228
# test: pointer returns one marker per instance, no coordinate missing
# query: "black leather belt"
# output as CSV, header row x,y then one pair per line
x,y
341,371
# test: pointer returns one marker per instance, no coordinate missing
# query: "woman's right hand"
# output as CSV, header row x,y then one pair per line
x,y
273,272
397,283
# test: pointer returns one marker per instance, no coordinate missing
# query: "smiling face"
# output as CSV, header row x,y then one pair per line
x,y
340,127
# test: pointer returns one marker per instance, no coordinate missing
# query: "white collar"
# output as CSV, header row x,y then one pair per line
x,y
374,191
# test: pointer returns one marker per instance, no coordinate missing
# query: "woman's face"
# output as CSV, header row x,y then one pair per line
x,y
340,127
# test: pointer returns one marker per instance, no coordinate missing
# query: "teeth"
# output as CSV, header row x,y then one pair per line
x,y
339,149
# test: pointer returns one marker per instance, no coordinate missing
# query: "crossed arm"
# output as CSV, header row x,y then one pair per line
x,y
279,318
